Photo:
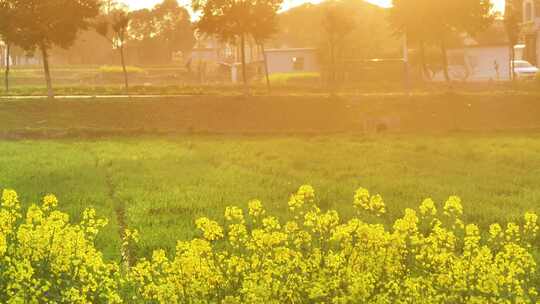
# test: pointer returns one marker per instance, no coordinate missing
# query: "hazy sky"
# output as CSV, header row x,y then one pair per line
x,y
136,4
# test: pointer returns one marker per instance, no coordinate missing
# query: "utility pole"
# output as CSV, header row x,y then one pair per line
x,y
407,81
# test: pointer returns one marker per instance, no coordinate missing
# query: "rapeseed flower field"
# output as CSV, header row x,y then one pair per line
x,y
429,255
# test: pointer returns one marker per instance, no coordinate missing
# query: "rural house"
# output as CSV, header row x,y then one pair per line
x,y
289,60
484,57
228,58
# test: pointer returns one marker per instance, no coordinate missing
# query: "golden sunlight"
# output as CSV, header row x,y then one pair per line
x,y
183,137
137,4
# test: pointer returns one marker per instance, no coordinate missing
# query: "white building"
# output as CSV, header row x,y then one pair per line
x,y
479,63
292,60
485,57
284,60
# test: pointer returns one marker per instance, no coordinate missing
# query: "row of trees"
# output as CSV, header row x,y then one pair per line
x,y
426,23
236,21
159,32
37,25
154,36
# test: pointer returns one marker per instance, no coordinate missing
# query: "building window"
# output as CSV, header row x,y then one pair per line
x,y
528,11
298,63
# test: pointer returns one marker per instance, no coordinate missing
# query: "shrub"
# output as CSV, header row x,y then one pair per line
x,y
295,78
108,69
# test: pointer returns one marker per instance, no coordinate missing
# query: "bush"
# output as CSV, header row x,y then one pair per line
x,y
428,256
295,78
108,69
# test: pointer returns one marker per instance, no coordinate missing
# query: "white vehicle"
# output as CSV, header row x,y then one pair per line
x,y
524,70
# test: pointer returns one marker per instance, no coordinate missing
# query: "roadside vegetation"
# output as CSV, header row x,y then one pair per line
x,y
281,79
165,82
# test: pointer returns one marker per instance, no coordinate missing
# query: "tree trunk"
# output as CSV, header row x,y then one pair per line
x,y
512,59
510,74
8,66
425,71
122,59
406,64
332,69
250,50
266,68
243,55
445,61
170,52
45,55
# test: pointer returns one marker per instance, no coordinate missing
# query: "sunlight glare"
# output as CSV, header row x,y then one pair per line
x,y
138,4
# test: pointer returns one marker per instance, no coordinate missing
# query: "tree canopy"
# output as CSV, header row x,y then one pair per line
x,y
113,25
160,32
8,28
233,20
53,22
44,24
337,25
370,35
229,19
435,22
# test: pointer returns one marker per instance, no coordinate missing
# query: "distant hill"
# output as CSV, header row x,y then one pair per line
x,y
372,38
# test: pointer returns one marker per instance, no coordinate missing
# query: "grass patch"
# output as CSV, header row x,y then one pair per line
x,y
165,183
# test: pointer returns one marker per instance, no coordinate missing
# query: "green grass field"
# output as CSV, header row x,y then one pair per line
x,y
160,185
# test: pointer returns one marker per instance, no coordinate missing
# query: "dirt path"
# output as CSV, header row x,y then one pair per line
x,y
119,208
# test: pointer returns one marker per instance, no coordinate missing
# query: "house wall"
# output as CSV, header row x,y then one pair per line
x,y
478,63
283,60
205,54
537,48
228,54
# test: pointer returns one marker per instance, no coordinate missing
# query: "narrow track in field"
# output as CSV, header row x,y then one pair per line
x,y
119,208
